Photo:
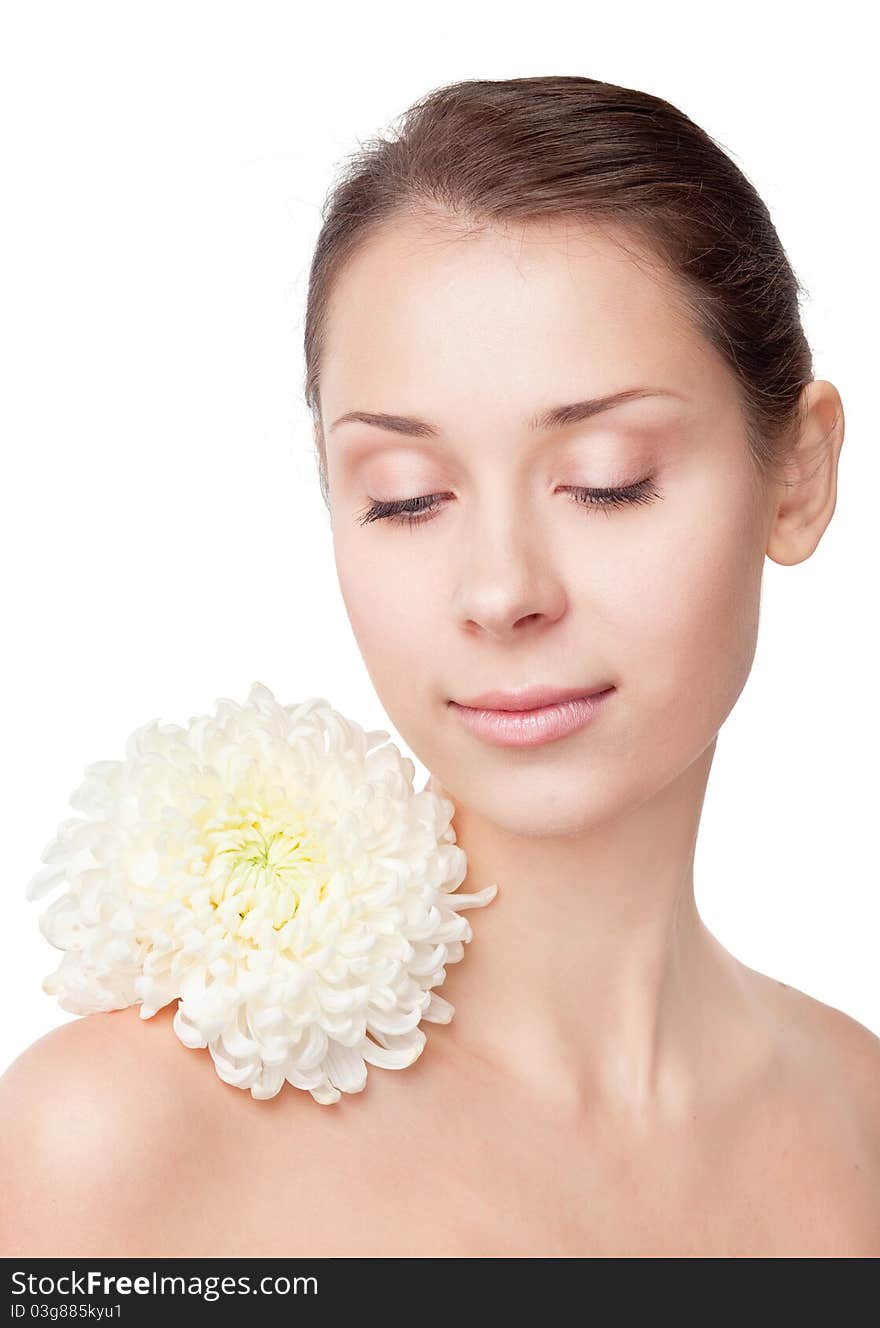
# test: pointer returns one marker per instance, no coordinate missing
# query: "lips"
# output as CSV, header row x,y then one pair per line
x,y
529,698
536,725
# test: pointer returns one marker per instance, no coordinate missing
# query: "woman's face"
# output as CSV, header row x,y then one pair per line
x,y
508,581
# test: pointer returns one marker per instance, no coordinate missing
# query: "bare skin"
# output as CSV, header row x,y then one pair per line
x,y
614,1082
118,1141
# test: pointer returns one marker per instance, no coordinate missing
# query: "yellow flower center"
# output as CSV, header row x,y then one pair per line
x,y
267,871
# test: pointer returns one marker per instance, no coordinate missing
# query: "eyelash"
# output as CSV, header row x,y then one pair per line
x,y
417,511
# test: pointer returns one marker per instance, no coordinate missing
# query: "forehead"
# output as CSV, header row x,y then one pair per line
x,y
427,316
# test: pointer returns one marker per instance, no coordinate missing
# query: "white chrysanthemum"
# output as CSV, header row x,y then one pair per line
x,y
272,867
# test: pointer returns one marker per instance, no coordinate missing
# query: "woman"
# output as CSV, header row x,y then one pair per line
x,y
564,407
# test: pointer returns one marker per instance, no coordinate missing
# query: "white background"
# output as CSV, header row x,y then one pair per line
x,y
164,538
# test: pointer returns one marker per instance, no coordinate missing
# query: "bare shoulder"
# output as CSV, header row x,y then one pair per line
x,y
95,1117
118,1141
841,1051
857,1049
820,1120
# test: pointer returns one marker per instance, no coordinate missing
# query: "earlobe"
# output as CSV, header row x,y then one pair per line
x,y
805,497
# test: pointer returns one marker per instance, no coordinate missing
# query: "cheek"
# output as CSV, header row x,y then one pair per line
x,y
391,624
692,619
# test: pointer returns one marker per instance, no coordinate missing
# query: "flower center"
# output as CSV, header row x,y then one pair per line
x,y
264,873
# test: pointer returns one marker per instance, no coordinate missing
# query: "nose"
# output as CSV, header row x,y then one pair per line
x,y
506,577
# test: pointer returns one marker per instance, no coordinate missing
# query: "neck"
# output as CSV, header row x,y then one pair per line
x,y
591,979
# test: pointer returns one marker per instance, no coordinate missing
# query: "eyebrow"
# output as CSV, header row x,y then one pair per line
x,y
556,418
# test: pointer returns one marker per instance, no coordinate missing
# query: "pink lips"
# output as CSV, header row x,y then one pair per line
x,y
530,716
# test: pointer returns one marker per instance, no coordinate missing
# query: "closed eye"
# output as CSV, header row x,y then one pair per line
x,y
416,511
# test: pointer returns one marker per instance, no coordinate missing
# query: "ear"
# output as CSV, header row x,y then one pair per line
x,y
803,501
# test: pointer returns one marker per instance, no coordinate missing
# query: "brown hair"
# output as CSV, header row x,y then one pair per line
x,y
485,151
